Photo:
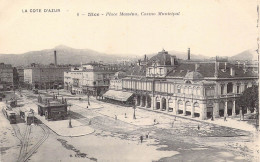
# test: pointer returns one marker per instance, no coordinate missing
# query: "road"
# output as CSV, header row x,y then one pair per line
x,y
119,140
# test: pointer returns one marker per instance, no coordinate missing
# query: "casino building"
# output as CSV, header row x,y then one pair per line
x,y
192,88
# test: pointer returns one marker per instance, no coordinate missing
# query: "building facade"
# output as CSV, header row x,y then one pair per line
x,y
92,78
44,77
198,89
6,76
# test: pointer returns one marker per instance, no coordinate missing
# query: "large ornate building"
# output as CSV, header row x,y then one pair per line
x,y
198,89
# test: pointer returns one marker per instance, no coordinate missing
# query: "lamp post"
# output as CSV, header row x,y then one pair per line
x,y
134,107
70,126
88,97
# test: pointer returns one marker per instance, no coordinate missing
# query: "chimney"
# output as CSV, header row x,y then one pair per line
x,y
216,68
139,62
225,66
173,60
188,53
55,58
232,71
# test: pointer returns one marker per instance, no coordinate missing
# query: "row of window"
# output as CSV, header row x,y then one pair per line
x,y
230,88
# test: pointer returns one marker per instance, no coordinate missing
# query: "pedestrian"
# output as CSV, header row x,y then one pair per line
x,y
89,123
154,121
125,115
147,135
212,118
198,127
172,123
225,118
141,139
87,107
115,117
175,118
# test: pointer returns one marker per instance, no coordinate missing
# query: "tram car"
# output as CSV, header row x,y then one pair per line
x,y
29,117
9,114
52,109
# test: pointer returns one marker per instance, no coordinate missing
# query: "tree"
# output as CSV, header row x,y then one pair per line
x,y
249,100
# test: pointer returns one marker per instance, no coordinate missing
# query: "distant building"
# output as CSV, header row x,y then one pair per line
x,y
20,71
197,89
6,76
92,78
44,77
116,81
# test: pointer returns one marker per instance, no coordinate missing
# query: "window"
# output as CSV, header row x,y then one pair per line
x,y
150,71
238,89
245,86
230,87
222,89
179,89
190,90
161,71
209,91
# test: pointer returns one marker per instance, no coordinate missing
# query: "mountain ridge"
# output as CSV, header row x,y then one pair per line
x,y
69,55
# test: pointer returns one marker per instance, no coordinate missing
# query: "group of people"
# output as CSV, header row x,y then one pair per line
x,y
142,138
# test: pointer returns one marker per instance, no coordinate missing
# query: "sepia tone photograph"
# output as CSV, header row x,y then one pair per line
x,y
129,81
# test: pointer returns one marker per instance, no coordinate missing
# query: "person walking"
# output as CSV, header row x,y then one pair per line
x,y
141,139
115,117
147,135
172,123
198,127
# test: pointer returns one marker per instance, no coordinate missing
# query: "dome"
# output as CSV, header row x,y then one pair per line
x,y
193,76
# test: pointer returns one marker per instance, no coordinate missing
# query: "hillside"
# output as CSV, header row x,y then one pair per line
x,y
245,55
65,55
68,55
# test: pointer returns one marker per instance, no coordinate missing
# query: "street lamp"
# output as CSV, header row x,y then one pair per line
x,y
70,126
88,96
134,107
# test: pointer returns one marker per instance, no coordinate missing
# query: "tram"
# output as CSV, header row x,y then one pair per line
x,y
9,114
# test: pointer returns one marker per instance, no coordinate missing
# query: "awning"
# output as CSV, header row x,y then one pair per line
x,y
117,95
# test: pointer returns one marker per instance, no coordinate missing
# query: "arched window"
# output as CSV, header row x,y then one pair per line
x,y
196,104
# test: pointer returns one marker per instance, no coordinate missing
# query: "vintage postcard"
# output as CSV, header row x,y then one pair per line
x,y
129,80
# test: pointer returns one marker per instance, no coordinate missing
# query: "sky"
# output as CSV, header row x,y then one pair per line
x,y
208,27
